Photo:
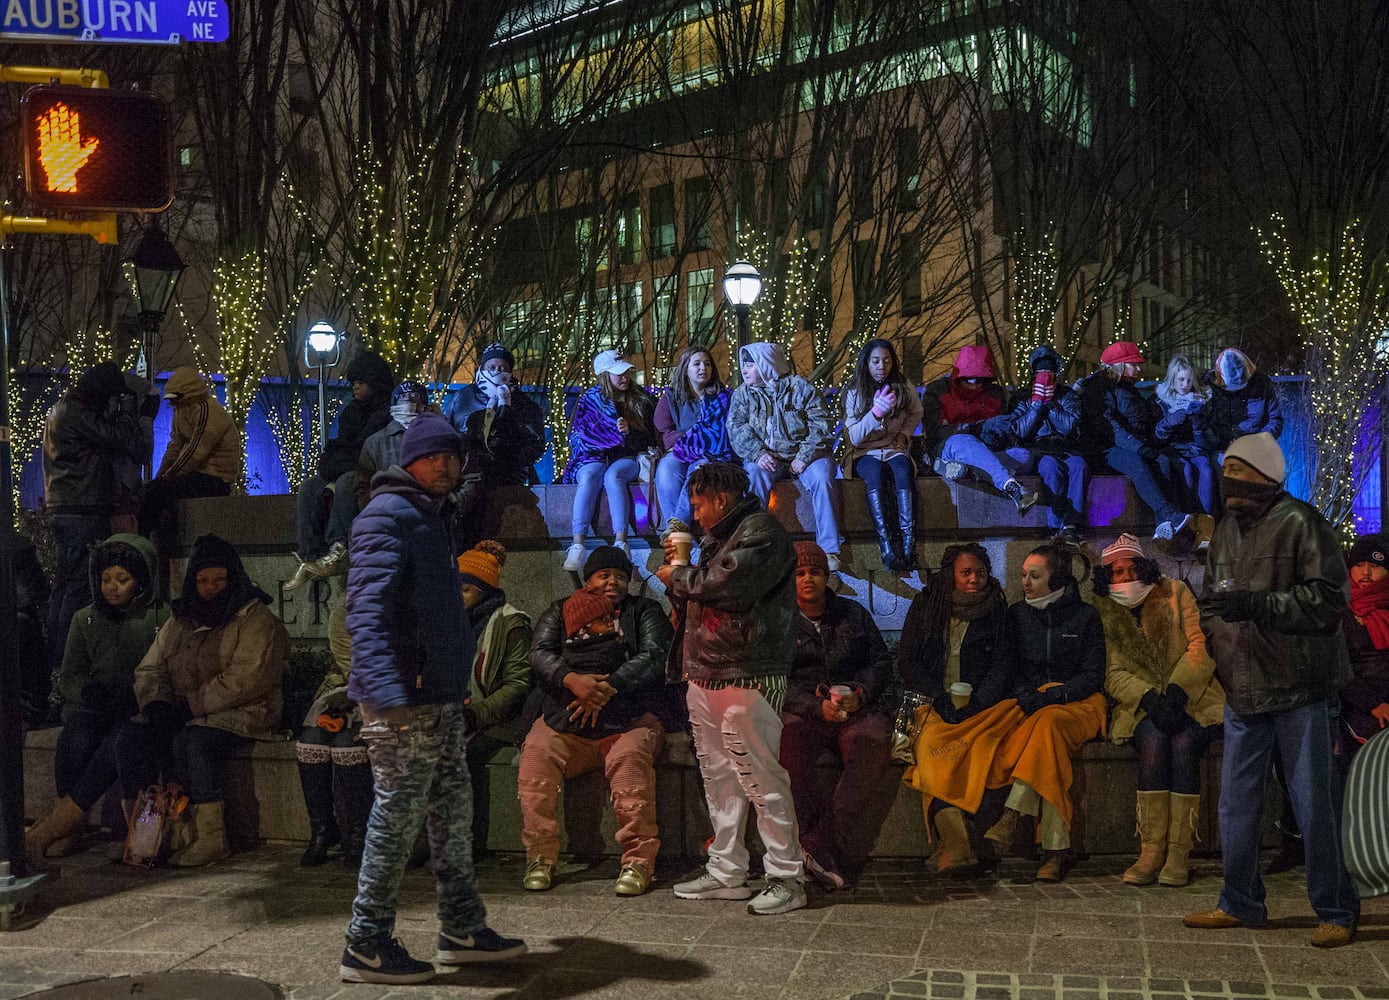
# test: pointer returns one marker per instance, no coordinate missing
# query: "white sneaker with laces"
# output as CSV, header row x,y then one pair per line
x,y
574,559
833,559
781,895
705,886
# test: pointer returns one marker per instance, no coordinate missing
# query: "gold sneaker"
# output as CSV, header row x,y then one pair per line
x,y
540,875
633,881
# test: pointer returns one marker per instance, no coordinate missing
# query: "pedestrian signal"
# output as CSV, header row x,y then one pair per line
x,y
93,150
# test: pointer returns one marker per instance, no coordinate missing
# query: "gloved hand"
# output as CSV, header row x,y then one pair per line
x,y
1176,696
1171,716
1044,387
1229,605
1031,701
883,402
1152,703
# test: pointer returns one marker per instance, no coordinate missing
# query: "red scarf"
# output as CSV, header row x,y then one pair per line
x,y
1370,602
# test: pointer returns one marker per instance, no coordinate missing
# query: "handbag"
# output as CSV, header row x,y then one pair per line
x,y
157,811
907,725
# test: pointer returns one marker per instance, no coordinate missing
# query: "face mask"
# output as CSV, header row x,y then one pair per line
x,y
403,413
493,380
1045,602
1131,594
1260,493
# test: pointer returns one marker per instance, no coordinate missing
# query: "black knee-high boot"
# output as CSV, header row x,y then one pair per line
x,y
888,545
317,781
907,521
358,793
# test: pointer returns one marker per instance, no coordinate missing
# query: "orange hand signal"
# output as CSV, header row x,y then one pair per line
x,y
61,150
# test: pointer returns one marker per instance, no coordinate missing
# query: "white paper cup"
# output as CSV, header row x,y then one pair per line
x,y
960,693
684,543
839,692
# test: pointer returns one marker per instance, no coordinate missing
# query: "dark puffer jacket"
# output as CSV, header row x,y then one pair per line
x,y
84,443
504,454
1115,415
846,648
1292,651
737,609
1369,688
412,643
987,660
1235,413
1062,643
358,421
638,677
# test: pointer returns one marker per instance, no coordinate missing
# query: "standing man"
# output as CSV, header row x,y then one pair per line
x,y
1275,590
411,647
735,640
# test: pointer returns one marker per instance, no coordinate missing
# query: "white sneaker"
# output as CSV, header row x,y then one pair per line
x,y
833,559
332,563
782,895
708,887
950,471
574,559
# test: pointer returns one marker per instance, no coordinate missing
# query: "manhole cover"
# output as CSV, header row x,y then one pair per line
x,y
167,986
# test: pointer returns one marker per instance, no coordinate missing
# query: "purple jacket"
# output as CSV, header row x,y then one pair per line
x,y
593,434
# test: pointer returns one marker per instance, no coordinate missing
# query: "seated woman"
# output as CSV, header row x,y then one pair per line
x,y
1243,400
210,681
833,702
881,414
1365,700
1182,428
956,631
330,747
1168,701
1061,660
611,427
501,675
692,420
105,641
780,428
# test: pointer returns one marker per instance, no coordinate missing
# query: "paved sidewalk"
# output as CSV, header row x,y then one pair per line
x,y
901,933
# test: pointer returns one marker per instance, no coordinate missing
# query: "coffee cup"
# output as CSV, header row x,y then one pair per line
x,y
839,692
960,693
683,543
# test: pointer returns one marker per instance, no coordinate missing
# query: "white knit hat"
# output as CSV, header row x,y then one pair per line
x,y
1126,546
1262,454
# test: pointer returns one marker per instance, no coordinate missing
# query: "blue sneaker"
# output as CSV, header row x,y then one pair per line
x,y
382,960
484,946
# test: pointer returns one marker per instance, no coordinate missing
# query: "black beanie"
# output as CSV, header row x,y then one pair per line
x,y
498,350
607,557
1370,549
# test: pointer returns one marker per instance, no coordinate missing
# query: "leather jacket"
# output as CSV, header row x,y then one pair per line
x,y
736,610
845,647
1292,652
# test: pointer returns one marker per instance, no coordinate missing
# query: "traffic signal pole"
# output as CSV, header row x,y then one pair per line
x,y
17,884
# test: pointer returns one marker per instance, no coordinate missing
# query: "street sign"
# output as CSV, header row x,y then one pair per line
x,y
92,150
148,22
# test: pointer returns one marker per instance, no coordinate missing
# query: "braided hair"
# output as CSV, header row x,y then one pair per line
x,y
942,585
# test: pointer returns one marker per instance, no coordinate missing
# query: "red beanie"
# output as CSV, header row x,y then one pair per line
x,y
810,554
583,607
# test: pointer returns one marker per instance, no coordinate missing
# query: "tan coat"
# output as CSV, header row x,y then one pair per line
x,y
229,676
1170,649
202,437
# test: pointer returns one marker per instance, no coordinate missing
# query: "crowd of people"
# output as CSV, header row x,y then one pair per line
x,y
1285,653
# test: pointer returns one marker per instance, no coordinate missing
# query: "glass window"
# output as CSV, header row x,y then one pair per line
x,y
699,306
697,208
629,232
592,248
665,325
908,168
662,221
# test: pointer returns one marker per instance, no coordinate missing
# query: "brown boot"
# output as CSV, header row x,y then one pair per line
x,y
64,820
1005,832
953,852
1152,836
209,843
1053,866
1184,809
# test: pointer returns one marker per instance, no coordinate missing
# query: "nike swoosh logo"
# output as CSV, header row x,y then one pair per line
x,y
370,963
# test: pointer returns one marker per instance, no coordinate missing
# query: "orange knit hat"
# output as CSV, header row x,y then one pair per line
x,y
482,564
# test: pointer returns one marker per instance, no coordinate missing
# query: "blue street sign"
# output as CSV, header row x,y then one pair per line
x,y
147,22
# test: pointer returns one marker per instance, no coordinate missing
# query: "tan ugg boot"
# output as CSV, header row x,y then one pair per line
x,y
1181,829
1152,836
954,850
209,843
64,820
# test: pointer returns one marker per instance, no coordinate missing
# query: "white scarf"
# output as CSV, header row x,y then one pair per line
x,y
1045,602
1131,594
403,413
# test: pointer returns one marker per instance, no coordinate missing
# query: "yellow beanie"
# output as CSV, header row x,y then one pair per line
x,y
482,564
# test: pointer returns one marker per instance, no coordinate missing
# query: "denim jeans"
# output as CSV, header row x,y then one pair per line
x,y
1171,762
968,449
895,473
84,761
196,758
313,536
421,775
1147,478
1302,737
671,476
1199,473
612,478
73,538
818,480
1064,479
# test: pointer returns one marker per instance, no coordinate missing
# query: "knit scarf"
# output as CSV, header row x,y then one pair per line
x,y
1370,602
968,607
1262,494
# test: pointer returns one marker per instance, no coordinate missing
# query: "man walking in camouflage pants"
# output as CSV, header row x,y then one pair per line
x,y
411,649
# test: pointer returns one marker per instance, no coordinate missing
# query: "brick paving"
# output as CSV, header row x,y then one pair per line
x,y
900,933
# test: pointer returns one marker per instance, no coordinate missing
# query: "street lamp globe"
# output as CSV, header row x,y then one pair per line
x,y
742,284
322,345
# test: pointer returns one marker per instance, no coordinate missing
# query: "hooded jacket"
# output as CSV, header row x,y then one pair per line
x,y
203,437
505,451
1166,646
736,610
105,644
1053,426
358,421
412,641
843,647
84,443
785,417
1292,651
1243,400
229,675
501,670
952,407
1063,642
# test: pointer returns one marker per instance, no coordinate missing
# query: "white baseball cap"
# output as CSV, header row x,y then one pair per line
x,y
611,362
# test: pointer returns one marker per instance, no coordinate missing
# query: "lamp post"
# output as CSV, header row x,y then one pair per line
x,y
322,348
158,269
741,287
